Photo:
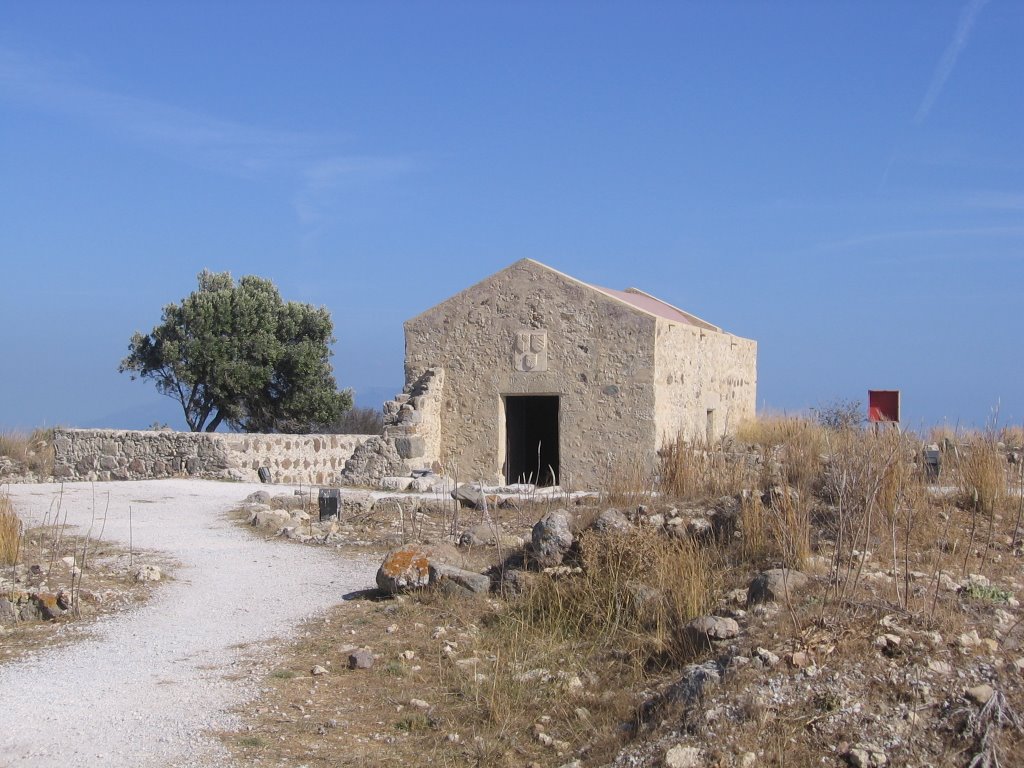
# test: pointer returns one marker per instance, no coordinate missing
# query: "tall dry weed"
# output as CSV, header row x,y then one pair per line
x,y
10,533
627,482
982,477
852,478
698,470
983,488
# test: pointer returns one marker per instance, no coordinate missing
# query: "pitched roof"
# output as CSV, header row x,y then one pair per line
x,y
655,306
633,297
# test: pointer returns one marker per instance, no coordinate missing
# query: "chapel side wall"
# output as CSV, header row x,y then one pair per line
x,y
698,370
600,361
119,454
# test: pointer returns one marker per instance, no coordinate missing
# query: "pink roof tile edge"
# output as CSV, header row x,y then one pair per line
x,y
656,306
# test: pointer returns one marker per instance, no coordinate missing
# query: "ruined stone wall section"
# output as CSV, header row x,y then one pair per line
x,y
114,454
697,370
412,421
531,330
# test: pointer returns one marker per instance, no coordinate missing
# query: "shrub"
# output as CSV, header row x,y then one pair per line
x,y
356,421
839,415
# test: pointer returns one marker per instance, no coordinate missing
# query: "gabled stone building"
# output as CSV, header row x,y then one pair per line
x,y
532,374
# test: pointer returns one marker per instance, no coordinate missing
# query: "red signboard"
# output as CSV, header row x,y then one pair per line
x,y
883,405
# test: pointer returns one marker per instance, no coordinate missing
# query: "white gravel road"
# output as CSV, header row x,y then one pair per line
x,y
149,683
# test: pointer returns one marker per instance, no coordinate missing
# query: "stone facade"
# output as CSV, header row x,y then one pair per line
x,y
621,371
114,454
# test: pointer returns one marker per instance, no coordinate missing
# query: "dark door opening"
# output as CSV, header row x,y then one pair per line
x,y
531,431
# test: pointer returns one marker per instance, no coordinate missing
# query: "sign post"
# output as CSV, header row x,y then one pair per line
x,y
884,407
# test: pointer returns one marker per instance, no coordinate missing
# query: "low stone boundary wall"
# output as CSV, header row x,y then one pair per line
x,y
119,454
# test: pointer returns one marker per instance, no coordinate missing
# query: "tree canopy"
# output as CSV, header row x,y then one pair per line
x,y
237,354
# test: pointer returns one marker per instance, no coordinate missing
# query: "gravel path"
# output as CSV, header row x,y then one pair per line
x,y
148,684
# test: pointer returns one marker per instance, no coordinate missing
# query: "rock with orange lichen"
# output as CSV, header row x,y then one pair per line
x,y
416,565
404,568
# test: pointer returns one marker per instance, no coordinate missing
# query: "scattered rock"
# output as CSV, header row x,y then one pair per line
x,y
700,528
395,483
866,755
980,694
361,658
147,573
468,496
273,519
259,497
773,585
706,630
318,670
969,639
552,537
690,686
456,581
799,659
514,582
680,756
485,535
888,643
611,520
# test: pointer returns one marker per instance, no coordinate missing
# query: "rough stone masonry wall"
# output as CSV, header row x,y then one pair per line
x,y
413,421
114,454
697,370
598,357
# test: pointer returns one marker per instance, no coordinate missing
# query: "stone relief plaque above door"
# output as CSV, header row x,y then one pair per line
x,y
530,351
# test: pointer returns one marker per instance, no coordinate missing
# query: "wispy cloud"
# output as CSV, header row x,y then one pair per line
x,y
313,164
949,57
906,235
1001,201
325,178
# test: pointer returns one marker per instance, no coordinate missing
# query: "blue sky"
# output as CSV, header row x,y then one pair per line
x,y
842,181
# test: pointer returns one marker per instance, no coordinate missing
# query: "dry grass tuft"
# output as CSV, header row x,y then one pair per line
x,y
34,450
696,470
10,533
628,483
983,485
1012,437
636,593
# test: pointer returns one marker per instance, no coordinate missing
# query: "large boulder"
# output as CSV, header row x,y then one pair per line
x,y
552,538
774,585
404,568
418,565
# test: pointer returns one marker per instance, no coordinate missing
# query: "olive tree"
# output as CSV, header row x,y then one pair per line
x,y
236,354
